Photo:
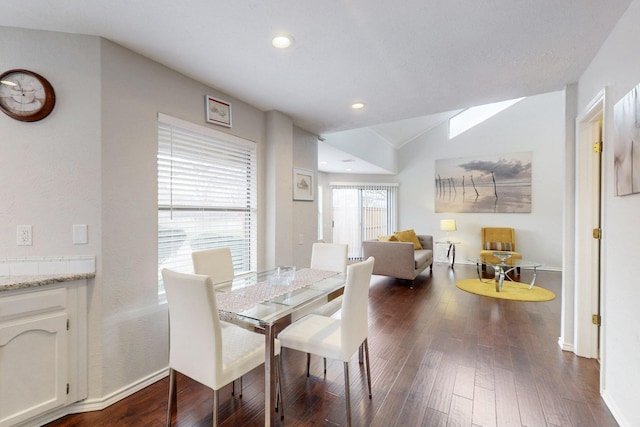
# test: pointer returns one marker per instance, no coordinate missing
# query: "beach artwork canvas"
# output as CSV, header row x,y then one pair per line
x,y
497,183
626,145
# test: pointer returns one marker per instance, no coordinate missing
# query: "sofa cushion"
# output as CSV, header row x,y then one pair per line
x,y
408,236
391,238
421,256
498,246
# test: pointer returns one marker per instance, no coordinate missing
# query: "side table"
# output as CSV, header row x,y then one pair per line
x,y
451,250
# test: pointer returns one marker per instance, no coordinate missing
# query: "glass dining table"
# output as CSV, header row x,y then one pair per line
x,y
266,302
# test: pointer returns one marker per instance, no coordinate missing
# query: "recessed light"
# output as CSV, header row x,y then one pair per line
x,y
323,162
357,105
282,41
348,169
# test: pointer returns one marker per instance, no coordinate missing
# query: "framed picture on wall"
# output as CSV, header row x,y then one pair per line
x,y
218,111
626,145
303,184
499,183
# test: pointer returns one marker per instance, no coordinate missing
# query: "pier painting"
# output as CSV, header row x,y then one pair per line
x,y
626,146
498,184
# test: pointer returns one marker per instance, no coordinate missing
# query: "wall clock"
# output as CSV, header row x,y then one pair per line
x,y
25,95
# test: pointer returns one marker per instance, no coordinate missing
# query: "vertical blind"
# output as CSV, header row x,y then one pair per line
x,y
362,212
206,195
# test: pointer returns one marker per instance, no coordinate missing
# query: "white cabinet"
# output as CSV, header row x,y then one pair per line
x,y
42,350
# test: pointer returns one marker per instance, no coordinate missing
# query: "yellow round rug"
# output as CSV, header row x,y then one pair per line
x,y
515,291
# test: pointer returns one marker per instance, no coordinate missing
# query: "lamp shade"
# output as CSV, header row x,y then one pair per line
x,y
448,225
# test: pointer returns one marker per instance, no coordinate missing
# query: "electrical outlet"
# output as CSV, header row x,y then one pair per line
x,y
25,235
80,234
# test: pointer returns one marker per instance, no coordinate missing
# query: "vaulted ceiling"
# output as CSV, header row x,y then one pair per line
x,y
403,59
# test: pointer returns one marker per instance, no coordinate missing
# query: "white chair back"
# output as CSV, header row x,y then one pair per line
x,y
329,256
215,263
195,341
355,306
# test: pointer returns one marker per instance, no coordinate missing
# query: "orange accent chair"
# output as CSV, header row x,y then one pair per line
x,y
498,239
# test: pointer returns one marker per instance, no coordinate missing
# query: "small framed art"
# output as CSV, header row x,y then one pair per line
x,y
218,111
303,184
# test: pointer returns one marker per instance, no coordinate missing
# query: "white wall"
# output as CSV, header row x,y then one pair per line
x,y
368,146
616,67
50,169
305,213
93,161
134,322
536,124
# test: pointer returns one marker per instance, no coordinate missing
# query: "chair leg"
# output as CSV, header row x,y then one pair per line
x,y
279,403
172,394
346,392
325,365
367,357
216,403
308,363
233,387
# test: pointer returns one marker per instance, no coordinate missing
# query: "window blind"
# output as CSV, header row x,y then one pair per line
x,y
206,195
362,212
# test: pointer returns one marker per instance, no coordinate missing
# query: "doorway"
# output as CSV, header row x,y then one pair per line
x,y
589,234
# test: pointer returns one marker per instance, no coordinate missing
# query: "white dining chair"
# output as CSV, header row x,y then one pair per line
x,y
338,338
199,347
329,257
215,263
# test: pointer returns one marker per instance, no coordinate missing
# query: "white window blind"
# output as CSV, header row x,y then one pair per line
x,y
362,212
206,195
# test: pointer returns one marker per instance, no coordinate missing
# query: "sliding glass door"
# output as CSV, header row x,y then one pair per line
x,y
362,212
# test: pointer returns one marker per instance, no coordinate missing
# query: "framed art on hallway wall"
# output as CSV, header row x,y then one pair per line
x,y
303,184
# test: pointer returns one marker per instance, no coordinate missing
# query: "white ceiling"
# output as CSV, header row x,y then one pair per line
x,y
403,59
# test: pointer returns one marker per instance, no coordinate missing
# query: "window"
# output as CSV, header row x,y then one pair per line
x,y
473,116
362,212
206,195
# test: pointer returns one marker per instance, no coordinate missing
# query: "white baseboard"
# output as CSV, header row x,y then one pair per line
x,y
566,346
97,404
620,419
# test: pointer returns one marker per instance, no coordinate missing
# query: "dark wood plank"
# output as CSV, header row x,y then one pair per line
x,y
439,356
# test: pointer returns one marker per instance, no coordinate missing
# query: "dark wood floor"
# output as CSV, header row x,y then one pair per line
x,y
439,357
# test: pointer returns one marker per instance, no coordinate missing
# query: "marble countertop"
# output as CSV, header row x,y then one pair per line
x,y
8,283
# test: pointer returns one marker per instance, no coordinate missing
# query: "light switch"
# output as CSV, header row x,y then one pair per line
x,y
80,235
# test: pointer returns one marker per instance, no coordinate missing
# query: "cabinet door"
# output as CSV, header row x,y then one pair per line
x,y
33,366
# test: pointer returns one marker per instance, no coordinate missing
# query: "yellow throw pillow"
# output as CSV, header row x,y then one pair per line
x,y
391,238
408,236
